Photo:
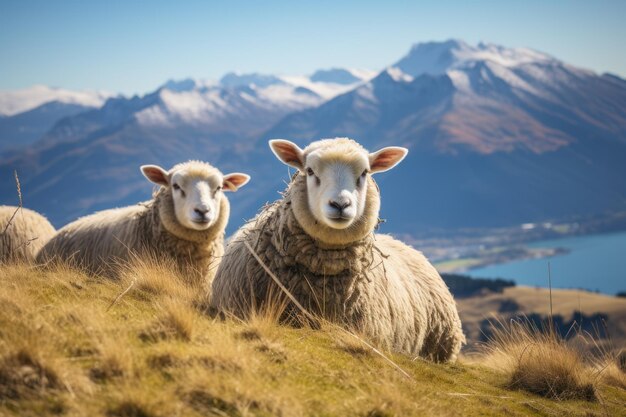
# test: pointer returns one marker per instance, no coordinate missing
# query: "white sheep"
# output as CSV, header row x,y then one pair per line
x,y
184,221
22,233
319,242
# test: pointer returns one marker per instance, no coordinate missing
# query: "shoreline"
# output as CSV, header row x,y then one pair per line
x,y
496,257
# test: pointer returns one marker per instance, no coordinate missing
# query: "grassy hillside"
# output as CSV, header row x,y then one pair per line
x,y
592,309
75,345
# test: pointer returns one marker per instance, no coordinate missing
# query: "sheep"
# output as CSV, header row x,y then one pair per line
x,y
22,233
185,221
319,241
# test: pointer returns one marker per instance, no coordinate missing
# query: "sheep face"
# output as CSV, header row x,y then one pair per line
x,y
196,190
336,188
339,193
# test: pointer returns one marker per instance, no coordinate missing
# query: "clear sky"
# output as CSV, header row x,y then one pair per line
x,y
134,46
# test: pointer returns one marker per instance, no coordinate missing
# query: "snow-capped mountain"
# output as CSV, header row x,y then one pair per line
x,y
98,150
238,106
497,136
19,101
436,58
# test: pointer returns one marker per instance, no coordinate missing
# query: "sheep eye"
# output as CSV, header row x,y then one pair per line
x,y
359,181
309,171
219,187
177,187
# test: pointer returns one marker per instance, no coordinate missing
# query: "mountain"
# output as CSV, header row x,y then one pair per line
x,y
497,136
92,159
341,76
24,128
25,115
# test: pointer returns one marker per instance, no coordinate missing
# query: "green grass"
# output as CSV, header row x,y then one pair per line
x,y
66,348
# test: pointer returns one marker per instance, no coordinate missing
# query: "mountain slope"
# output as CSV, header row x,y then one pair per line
x,y
23,129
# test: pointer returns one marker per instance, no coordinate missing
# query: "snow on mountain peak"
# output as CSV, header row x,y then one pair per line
x,y
201,102
398,75
437,58
18,101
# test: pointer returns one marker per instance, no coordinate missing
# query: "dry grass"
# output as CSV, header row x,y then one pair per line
x,y
539,361
152,276
565,303
612,374
142,345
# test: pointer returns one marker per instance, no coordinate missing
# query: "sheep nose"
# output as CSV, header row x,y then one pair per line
x,y
339,205
201,211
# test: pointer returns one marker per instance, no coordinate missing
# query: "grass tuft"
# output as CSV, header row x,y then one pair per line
x,y
541,362
176,321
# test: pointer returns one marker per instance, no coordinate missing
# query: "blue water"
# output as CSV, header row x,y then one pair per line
x,y
595,262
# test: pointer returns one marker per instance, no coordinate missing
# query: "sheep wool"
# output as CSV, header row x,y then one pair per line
x,y
22,233
375,285
101,241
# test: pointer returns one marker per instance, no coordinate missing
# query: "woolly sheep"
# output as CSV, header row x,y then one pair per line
x,y
22,233
185,220
319,241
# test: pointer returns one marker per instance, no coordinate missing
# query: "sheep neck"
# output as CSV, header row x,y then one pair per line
x,y
297,250
327,281
196,252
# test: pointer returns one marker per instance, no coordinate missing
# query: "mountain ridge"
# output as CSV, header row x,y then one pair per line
x,y
494,140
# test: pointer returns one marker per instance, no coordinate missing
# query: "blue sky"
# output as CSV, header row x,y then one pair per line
x,y
134,46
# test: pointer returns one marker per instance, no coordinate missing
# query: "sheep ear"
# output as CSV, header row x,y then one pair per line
x,y
288,152
234,181
156,174
386,158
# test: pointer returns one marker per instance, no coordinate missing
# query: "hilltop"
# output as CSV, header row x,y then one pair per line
x,y
71,344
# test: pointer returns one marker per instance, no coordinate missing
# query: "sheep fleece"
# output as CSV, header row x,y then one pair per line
x,y
378,286
99,241
27,232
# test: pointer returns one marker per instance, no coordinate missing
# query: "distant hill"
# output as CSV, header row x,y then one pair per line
x,y
462,286
27,114
602,316
23,129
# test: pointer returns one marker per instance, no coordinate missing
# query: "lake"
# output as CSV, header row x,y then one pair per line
x,y
595,262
